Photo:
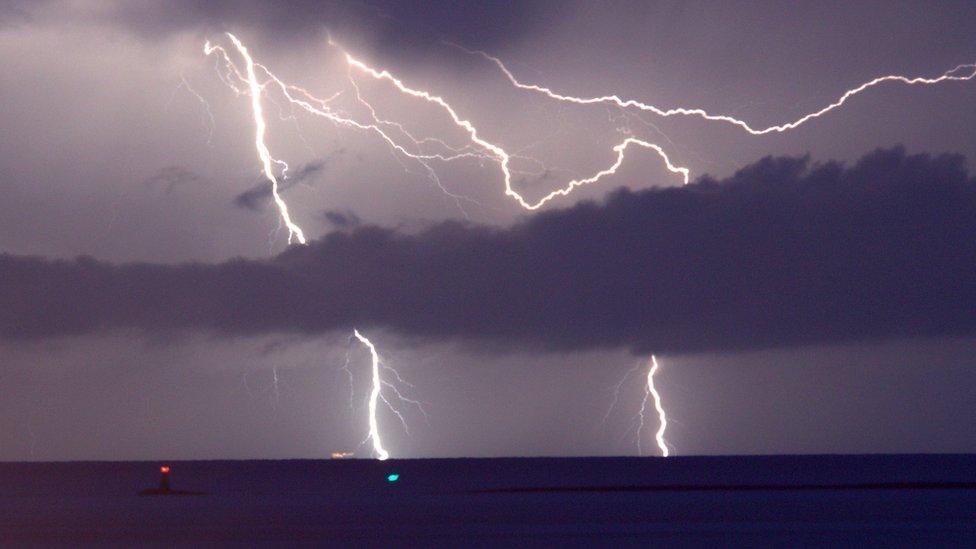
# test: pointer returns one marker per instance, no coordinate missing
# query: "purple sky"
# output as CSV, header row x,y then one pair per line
x,y
819,303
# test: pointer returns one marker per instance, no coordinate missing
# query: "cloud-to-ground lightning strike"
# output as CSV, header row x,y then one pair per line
x,y
651,391
320,107
376,395
482,149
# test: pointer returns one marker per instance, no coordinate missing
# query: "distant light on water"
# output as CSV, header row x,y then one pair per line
x,y
392,477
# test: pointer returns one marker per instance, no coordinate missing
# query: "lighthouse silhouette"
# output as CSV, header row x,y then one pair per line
x,y
164,479
164,488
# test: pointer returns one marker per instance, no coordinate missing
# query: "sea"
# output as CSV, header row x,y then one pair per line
x,y
685,501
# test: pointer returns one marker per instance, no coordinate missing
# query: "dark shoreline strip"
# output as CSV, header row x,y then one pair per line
x,y
741,487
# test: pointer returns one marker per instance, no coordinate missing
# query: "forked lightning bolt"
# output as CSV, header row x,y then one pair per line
x,y
426,150
504,158
260,128
481,148
650,393
376,395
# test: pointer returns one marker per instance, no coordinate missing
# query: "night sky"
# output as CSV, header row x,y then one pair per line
x,y
812,291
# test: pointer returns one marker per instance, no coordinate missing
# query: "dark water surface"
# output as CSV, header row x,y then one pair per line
x,y
903,500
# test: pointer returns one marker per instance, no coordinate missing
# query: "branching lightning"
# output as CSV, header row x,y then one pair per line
x,y
376,395
649,393
260,128
481,148
502,157
273,389
616,393
426,151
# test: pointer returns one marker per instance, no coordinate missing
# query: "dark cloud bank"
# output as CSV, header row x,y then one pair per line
x,y
401,26
784,253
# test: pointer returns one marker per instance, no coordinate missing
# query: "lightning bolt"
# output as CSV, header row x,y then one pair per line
x,y
275,389
352,389
210,121
480,148
616,393
299,97
260,128
949,75
502,157
651,391
488,150
426,150
376,395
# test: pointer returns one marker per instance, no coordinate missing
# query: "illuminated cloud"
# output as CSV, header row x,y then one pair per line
x,y
786,253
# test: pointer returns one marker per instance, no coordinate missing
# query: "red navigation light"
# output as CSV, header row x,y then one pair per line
x,y
164,469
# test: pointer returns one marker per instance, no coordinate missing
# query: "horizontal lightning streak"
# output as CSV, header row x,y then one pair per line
x,y
503,157
319,107
949,75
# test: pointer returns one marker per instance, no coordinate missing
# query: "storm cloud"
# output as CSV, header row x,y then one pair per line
x,y
786,252
398,25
